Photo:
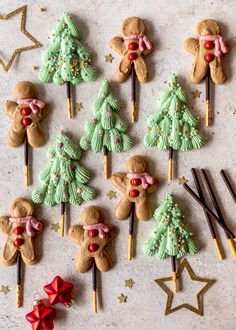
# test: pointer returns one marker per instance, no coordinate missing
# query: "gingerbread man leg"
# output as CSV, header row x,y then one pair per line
x,y
143,211
103,261
36,136
123,208
217,74
28,253
83,262
123,71
15,136
141,70
9,253
199,70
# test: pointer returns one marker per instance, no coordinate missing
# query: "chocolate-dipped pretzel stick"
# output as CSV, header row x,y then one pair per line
x,y
208,218
228,184
131,232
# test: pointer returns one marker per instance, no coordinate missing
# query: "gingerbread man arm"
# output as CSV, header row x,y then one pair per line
x,y
10,107
146,51
76,233
153,187
118,180
5,225
118,45
112,232
191,45
45,111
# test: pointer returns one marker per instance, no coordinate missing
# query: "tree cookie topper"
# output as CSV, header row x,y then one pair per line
x,y
133,46
92,239
64,180
173,127
136,185
66,60
106,130
26,113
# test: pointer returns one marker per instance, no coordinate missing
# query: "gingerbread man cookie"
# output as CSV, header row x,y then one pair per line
x,y
20,227
208,49
136,185
26,113
133,46
92,239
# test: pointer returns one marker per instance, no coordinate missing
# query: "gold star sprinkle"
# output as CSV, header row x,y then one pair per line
x,y
55,227
109,58
78,106
122,298
111,194
5,289
34,67
234,112
182,180
41,9
129,283
196,93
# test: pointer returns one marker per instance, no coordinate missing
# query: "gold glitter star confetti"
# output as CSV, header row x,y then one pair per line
x,y
182,180
41,9
34,67
196,93
36,44
78,106
55,227
111,194
122,298
109,58
5,289
129,283
170,295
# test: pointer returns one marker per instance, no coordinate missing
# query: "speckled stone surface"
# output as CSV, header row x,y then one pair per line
x,y
169,23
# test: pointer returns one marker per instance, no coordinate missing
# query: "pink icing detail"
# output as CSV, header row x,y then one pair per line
x,y
94,121
34,104
145,177
219,42
32,224
79,190
117,140
60,145
143,41
102,229
109,114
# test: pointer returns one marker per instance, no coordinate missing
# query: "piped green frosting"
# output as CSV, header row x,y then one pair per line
x,y
106,128
66,59
171,236
63,180
174,125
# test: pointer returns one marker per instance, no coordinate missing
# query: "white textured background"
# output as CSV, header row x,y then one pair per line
x,y
169,23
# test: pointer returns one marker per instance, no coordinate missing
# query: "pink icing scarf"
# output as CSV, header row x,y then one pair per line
x,y
220,45
145,177
143,40
102,229
32,224
34,104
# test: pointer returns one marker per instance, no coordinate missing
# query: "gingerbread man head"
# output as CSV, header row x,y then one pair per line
x,y
207,27
136,164
25,90
133,25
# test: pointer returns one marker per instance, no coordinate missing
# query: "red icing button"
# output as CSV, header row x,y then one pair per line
x,y
19,230
93,232
93,247
209,57
26,121
18,242
136,182
132,56
133,46
134,193
26,111
209,45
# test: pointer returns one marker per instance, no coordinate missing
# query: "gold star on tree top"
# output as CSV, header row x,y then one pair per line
x,y
36,44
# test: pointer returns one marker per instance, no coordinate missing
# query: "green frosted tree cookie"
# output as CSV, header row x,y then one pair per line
x,y
66,60
106,130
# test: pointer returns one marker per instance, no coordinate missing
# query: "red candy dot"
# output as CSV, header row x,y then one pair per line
x,y
19,230
136,182
26,121
133,46
26,111
18,242
209,45
132,56
93,232
134,193
93,247
209,57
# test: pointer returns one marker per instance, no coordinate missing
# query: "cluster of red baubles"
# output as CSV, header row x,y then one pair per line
x,y
132,46
93,247
209,45
134,192
26,121
18,231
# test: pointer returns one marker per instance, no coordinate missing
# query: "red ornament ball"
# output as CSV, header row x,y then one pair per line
x,y
136,182
42,317
26,121
209,57
209,45
93,247
59,291
133,46
18,242
26,111
134,193
19,230
93,232
132,56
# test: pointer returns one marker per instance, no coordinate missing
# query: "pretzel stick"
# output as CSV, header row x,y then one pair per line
x,y
131,232
170,173
19,284
26,161
69,103
62,222
94,280
105,162
208,100
133,93
228,184
174,273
